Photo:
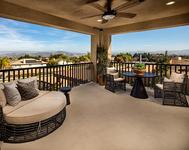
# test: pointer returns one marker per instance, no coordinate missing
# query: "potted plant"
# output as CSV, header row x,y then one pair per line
x,y
102,61
139,69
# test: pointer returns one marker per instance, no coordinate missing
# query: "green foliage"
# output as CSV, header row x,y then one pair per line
x,y
4,63
139,66
123,57
52,62
29,56
83,58
164,58
86,57
59,56
102,60
74,59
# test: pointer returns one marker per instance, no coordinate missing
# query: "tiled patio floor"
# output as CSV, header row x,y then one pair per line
x,y
100,120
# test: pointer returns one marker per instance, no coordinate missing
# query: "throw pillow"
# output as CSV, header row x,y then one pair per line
x,y
27,90
12,95
2,98
27,80
177,77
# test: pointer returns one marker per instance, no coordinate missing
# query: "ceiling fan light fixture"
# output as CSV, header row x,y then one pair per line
x,y
170,3
99,20
108,17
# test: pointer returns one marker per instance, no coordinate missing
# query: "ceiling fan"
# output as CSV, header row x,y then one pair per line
x,y
110,13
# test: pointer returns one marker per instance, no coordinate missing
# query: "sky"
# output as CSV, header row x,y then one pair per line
x,y
20,36
176,38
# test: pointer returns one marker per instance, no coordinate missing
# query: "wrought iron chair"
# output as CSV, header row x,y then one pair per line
x,y
113,81
172,92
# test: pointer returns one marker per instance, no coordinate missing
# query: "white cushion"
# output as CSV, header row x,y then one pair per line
x,y
119,79
40,109
177,77
160,86
167,80
111,70
116,75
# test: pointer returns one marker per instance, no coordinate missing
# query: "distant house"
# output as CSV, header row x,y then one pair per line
x,y
62,62
179,60
27,62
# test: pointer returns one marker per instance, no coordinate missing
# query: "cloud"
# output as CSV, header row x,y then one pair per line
x,y
18,36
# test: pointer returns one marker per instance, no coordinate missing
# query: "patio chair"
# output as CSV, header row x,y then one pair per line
x,y
172,90
114,81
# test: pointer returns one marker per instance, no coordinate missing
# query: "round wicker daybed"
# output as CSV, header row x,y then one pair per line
x,y
32,119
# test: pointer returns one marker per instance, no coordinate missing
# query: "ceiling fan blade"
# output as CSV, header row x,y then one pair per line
x,y
126,15
89,1
97,6
129,4
91,16
104,21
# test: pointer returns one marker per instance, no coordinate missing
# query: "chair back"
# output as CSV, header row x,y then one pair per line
x,y
110,70
185,83
178,84
177,77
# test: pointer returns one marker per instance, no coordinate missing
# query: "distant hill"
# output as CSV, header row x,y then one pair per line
x,y
179,52
170,52
48,53
35,53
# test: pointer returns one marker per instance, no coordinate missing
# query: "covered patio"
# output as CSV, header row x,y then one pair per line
x,y
76,16
98,118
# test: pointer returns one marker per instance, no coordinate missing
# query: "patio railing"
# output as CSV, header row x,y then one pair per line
x,y
52,77
162,70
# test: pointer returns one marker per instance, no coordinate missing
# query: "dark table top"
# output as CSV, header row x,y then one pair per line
x,y
65,89
146,74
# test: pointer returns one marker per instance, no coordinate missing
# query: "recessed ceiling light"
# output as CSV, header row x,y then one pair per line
x,y
99,20
170,3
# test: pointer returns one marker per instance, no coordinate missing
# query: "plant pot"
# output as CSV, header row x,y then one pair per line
x,y
101,79
139,72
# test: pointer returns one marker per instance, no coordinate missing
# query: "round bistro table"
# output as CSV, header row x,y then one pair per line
x,y
138,89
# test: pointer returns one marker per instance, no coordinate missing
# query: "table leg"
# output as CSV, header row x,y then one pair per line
x,y
138,89
67,98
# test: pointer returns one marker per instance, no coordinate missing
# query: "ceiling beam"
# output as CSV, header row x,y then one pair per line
x,y
173,21
20,13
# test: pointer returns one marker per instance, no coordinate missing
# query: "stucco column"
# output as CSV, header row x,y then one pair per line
x,y
102,39
94,44
107,43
